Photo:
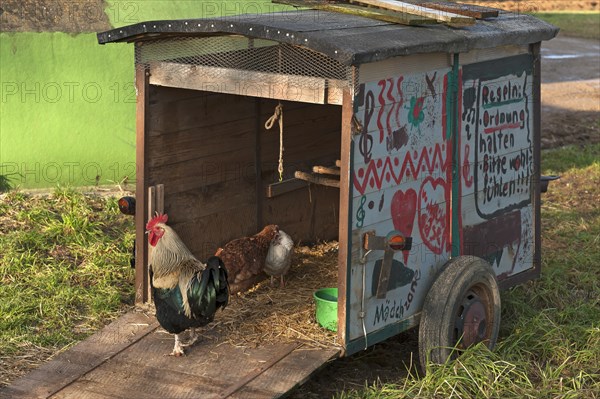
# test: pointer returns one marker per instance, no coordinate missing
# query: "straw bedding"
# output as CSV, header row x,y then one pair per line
x,y
268,313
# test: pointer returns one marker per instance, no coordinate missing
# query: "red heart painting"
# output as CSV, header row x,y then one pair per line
x,y
404,208
433,214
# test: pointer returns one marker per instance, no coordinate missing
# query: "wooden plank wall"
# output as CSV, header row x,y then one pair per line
x,y
197,142
311,137
202,146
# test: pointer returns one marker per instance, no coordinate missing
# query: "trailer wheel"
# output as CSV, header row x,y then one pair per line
x,y
462,308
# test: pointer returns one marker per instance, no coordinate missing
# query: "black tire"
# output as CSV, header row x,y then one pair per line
x,y
451,319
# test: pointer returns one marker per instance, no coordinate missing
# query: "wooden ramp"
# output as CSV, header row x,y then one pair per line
x,y
128,359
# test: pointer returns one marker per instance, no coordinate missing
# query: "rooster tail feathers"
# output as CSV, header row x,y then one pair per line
x,y
219,275
209,290
215,261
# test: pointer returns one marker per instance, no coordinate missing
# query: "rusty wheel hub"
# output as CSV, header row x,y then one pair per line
x,y
471,321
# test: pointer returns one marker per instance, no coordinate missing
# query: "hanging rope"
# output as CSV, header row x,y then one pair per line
x,y
278,115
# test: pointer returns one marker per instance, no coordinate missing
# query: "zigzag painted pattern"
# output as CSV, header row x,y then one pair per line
x,y
390,169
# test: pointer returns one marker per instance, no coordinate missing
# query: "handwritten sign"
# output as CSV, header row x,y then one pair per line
x,y
498,115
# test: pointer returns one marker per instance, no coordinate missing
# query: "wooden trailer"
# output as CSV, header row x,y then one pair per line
x,y
417,147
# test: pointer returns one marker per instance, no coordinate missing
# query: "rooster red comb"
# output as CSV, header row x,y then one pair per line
x,y
159,218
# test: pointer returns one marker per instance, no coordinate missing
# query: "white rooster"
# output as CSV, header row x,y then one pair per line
x,y
279,257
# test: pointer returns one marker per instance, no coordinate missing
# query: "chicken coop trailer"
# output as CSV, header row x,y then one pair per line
x,y
415,145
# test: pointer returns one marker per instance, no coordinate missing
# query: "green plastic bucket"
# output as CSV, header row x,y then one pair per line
x,y
326,300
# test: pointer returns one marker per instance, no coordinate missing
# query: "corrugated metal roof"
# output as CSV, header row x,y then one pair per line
x,y
349,39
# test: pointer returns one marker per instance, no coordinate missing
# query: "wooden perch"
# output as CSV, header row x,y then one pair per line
x,y
302,179
282,187
367,12
325,170
399,6
319,180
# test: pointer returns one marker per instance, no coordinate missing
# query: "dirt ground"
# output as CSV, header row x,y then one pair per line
x,y
538,5
73,16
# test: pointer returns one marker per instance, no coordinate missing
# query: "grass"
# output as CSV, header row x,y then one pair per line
x,y
585,24
549,344
64,273
572,159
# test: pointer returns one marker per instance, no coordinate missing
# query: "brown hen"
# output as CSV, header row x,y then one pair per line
x,y
244,258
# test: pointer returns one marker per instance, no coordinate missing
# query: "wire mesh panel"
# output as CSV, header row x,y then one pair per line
x,y
247,66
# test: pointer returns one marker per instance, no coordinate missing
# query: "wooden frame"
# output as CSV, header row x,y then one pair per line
x,y
345,230
246,83
142,275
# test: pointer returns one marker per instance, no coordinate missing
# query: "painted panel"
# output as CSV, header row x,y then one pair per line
x,y
496,158
402,121
401,181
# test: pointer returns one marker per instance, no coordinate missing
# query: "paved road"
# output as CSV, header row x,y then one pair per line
x,y
570,59
570,91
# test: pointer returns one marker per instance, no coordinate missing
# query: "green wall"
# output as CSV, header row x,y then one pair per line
x,y
67,108
67,104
